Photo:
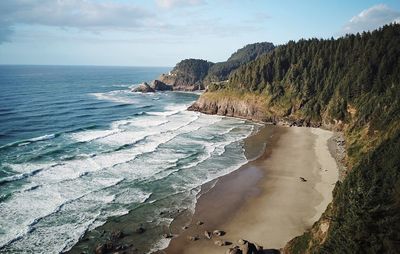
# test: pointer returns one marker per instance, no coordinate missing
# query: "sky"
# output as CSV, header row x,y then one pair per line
x,y
163,32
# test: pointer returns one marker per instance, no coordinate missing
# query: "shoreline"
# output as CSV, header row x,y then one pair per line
x,y
273,202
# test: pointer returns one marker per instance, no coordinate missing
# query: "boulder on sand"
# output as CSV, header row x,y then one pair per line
x,y
249,248
144,88
234,250
218,232
222,243
207,234
241,241
192,238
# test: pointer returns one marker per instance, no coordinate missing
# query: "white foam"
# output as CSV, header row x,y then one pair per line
x,y
164,113
43,201
170,110
144,121
42,138
132,195
28,168
119,96
86,136
160,245
85,191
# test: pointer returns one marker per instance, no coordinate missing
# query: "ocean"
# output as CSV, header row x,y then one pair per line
x,y
79,150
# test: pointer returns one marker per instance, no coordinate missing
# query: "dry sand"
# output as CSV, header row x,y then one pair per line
x,y
265,201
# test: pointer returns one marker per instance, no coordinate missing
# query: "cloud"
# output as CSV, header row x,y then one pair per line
x,y
178,3
81,14
371,18
107,20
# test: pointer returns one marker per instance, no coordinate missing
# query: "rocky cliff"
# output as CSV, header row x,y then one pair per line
x,y
248,106
352,84
187,75
221,71
197,74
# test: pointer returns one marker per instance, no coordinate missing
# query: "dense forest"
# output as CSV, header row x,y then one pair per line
x,y
350,84
188,74
196,74
221,71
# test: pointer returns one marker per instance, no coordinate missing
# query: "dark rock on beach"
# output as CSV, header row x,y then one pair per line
x,y
222,243
250,248
192,238
234,250
218,232
207,234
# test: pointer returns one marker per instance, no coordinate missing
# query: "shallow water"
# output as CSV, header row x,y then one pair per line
x,y
78,149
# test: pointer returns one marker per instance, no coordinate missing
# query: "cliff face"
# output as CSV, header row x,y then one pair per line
x,y
248,106
197,74
234,107
187,75
351,84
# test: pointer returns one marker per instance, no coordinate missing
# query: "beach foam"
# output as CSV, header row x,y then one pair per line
x,y
178,150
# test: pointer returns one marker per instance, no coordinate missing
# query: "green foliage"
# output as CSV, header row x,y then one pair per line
x,y
367,210
328,76
300,245
198,72
352,82
250,52
220,71
191,71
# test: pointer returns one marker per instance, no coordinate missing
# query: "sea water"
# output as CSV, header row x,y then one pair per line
x,y
77,148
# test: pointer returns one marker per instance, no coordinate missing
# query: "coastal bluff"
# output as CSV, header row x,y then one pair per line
x,y
342,85
197,74
187,75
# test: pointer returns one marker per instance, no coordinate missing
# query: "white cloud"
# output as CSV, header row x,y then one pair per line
x,y
178,3
73,13
371,18
115,20
82,14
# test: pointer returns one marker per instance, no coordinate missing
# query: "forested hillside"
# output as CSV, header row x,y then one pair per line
x,y
188,74
351,84
220,71
197,74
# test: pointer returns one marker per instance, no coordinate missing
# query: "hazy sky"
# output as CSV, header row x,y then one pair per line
x,y
162,32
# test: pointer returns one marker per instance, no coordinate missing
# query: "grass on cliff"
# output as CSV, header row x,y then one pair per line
x,y
352,82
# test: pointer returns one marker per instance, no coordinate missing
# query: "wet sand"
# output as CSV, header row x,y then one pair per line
x,y
265,201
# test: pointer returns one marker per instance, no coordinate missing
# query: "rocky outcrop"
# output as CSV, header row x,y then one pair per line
x,y
187,75
197,74
158,85
227,107
144,88
252,109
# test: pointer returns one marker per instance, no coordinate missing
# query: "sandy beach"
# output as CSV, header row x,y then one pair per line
x,y
269,200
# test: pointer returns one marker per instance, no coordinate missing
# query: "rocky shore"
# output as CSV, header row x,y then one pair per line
x,y
156,85
248,109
